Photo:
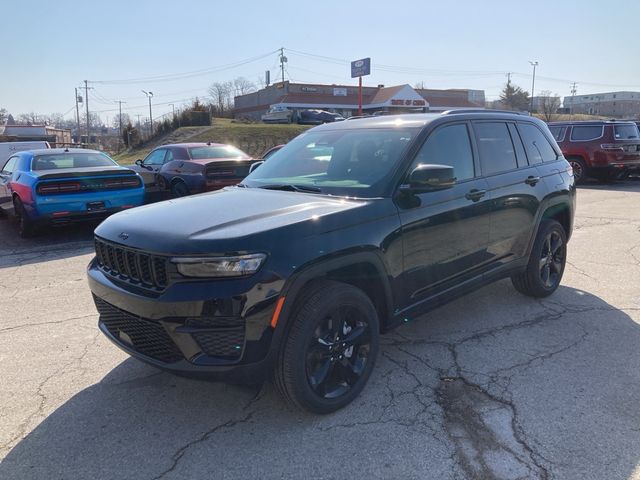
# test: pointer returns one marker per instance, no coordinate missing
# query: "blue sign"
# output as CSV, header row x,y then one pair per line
x,y
360,68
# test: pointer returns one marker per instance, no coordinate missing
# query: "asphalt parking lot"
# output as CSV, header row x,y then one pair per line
x,y
494,385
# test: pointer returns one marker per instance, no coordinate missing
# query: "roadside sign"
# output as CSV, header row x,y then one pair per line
x,y
360,68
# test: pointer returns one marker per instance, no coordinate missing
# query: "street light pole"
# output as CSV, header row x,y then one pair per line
x,y
149,95
533,82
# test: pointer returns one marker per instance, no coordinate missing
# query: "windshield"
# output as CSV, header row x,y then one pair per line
x,y
216,151
338,162
626,132
61,161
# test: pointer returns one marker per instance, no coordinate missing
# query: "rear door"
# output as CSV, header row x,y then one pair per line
x,y
515,185
444,233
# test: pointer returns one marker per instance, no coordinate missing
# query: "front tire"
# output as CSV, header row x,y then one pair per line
x,y
546,263
330,349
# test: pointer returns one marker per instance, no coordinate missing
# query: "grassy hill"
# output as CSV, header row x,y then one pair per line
x,y
253,138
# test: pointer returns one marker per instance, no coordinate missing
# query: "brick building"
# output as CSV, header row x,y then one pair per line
x,y
343,99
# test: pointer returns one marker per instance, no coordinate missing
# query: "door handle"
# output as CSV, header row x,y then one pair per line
x,y
475,194
531,180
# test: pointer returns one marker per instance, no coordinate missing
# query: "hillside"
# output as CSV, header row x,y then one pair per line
x,y
253,138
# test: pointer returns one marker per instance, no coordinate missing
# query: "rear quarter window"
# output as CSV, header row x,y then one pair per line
x,y
625,132
558,133
536,144
583,133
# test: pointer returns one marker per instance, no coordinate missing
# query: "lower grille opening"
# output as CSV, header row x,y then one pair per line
x,y
224,342
144,336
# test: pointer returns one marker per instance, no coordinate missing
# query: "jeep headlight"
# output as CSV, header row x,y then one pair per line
x,y
237,266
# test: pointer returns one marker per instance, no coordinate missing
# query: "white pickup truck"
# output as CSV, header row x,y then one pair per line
x,y
9,148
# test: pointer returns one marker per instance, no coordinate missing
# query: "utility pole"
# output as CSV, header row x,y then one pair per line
x,y
120,102
173,110
149,95
508,79
574,89
78,116
283,60
533,82
86,104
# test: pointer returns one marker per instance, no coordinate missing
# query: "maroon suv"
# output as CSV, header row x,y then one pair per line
x,y
604,150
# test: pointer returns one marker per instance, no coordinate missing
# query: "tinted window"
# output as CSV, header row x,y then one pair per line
x,y
538,147
353,162
558,132
156,157
449,145
10,165
61,161
220,151
586,132
517,141
495,146
625,132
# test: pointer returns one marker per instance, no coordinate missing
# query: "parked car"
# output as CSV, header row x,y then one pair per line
x,y
9,148
317,117
604,150
185,168
54,186
278,114
297,271
270,151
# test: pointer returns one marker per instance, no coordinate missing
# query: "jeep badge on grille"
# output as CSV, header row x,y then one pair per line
x,y
123,236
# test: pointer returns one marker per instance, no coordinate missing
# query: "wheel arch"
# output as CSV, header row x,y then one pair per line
x,y
363,270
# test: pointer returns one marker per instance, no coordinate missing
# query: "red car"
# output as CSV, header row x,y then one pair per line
x,y
605,150
184,168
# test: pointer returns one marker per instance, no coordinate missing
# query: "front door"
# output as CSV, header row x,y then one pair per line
x,y
6,173
444,233
150,168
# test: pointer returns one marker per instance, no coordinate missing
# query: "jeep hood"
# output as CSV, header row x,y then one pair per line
x,y
229,220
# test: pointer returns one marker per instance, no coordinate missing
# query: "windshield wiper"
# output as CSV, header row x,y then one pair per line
x,y
291,187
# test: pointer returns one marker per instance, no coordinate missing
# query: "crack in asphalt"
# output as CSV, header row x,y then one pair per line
x,y
52,322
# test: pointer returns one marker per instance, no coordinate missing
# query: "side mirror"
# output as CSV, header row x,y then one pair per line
x,y
430,177
139,162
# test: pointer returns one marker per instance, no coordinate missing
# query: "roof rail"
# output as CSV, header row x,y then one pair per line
x,y
482,110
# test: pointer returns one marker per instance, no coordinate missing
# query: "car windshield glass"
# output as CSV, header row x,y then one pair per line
x,y
626,132
353,162
61,161
218,151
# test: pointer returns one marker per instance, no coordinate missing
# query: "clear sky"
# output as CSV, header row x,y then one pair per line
x,y
49,47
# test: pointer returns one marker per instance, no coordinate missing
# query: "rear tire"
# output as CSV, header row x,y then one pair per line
x,y
546,263
179,189
330,349
579,167
26,227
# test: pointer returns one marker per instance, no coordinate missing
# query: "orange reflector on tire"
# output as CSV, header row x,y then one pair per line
x,y
276,312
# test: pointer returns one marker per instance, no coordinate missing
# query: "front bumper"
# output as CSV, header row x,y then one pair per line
x,y
188,329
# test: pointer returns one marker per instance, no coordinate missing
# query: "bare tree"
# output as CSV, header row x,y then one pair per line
x,y
4,114
31,118
242,86
549,105
126,119
220,93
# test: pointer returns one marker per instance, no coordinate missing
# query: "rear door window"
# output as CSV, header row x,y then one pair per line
x,y
558,133
538,147
497,153
583,133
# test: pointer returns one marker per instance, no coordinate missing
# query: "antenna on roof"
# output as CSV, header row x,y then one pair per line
x,y
209,143
66,149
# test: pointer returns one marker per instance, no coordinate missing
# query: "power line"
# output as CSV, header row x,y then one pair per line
x,y
180,76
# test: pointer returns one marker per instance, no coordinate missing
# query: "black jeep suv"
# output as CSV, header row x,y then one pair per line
x,y
352,229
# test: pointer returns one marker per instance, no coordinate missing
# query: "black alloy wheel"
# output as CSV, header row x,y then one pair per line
x,y
330,346
546,264
179,189
338,352
552,259
579,169
26,228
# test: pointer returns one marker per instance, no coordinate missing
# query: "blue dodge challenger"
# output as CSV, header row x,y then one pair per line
x,y
65,185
